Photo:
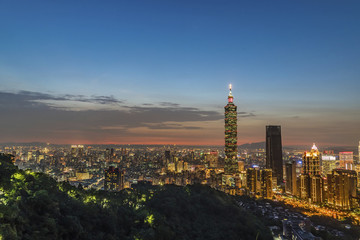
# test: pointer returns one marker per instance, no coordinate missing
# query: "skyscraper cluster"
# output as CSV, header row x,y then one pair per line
x,y
319,181
258,182
336,186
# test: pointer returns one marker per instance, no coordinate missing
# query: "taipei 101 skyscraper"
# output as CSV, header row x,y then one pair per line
x,y
230,135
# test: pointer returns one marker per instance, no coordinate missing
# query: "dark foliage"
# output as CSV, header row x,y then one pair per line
x,y
34,206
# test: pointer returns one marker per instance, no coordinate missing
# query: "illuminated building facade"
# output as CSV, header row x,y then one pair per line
x,y
304,186
259,183
230,136
328,164
311,182
317,189
342,188
346,160
266,183
114,179
311,162
274,160
179,166
171,167
212,159
77,150
251,181
241,166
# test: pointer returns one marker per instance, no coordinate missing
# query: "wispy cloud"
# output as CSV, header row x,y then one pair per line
x,y
246,114
169,104
64,101
45,116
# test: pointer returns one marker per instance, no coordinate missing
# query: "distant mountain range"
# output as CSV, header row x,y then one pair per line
x,y
255,145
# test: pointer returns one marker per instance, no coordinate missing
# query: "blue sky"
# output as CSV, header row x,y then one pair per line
x,y
294,63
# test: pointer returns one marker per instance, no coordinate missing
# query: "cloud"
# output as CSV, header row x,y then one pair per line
x,y
35,116
43,100
169,104
246,114
45,117
171,126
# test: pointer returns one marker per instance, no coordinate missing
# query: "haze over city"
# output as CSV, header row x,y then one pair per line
x,y
158,72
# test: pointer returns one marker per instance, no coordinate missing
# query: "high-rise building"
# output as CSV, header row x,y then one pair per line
x,y
230,136
180,166
311,162
259,182
241,166
304,186
342,188
311,182
346,160
251,181
274,159
167,156
77,150
114,179
317,189
266,183
171,167
109,153
290,173
212,158
328,163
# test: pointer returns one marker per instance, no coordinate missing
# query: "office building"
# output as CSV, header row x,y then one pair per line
x,y
230,136
346,160
167,156
317,189
251,181
290,174
328,163
77,150
311,182
259,183
114,179
311,162
212,159
179,166
342,188
274,159
266,183
241,166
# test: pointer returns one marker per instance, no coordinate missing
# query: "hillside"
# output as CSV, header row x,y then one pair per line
x,y
34,206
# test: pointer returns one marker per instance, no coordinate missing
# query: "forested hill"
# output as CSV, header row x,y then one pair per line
x,y
34,206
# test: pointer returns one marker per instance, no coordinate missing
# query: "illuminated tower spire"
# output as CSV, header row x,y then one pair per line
x,y
314,147
230,135
230,97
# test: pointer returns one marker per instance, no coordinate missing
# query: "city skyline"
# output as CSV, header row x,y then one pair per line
x,y
156,73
